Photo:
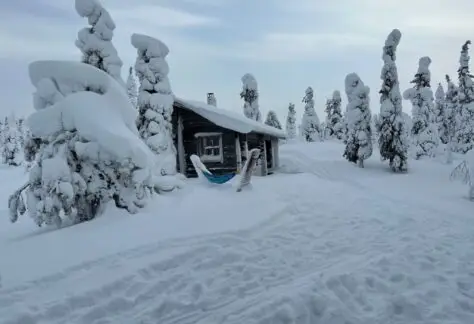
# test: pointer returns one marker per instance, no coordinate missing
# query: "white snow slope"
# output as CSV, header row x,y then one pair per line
x,y
356,246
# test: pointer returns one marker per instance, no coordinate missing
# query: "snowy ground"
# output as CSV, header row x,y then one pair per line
x,y
332,244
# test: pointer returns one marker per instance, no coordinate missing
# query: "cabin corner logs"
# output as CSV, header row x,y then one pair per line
x,y
235,146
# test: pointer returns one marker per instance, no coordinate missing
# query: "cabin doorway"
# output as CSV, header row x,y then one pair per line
x,y
269,151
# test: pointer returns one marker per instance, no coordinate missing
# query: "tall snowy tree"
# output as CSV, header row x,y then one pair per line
x,y
451,116
211,99
310,125
132,88
439,114
155,100
465,132
393,142
95,42
250,95
291,122
359,139
334,122
11,138
272,120
85,145
424,132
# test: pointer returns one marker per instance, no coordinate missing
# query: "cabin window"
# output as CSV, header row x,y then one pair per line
x,y
210,146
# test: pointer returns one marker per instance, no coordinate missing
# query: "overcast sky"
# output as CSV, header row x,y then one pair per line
x,y
287,45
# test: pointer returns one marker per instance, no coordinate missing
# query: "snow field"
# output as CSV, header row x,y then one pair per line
x,y
332,244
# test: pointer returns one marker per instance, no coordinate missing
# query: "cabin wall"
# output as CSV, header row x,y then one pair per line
x,y
192,124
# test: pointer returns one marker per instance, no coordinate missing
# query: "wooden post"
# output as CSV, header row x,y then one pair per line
x,y
238,152
263,157
181,153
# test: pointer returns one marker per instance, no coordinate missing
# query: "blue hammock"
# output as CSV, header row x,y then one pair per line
x,y
219,179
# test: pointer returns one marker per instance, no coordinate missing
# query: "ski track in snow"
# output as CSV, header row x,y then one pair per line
x,y
322,261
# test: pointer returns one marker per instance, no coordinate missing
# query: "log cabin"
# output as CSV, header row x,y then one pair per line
x,y
221,138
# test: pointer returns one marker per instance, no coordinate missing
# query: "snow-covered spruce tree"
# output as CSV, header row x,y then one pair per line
x,y
424,132
393,142
211,99
451,117
439,114
334,120
81,162
132,88
465,132
291,122
11,137
310,125
95,42
272,120
250,95
359,133
155,100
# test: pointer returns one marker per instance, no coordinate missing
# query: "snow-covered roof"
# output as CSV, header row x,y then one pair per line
x,y
229,119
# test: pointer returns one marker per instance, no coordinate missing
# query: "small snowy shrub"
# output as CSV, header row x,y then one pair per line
x,y
310,125
359,132
250,95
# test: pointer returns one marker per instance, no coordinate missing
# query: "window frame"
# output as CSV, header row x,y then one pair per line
x,y
201,142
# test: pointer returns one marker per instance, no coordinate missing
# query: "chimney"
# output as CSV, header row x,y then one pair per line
x,y
211,99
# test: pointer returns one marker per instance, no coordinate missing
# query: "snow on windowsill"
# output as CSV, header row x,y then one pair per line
x,y
211,158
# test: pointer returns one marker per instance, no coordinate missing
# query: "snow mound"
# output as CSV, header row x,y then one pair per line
x,y
103,115
153,46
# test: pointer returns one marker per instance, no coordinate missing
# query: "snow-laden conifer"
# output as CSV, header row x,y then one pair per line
x,y
11,142
211,99
451,116
310,125
393,142
85,145
95,42
334,120
439,114
424,132
291,122
250,95
465,116
272,120
359,131
132,88
155,100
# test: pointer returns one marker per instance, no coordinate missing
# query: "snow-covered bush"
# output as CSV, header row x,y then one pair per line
x,y
272,120
451,116
132,88
211,99
393,142
310,125
250,95
334,122
11,142
85,144
464,172
95,42
439,114
424,132
359,132
291,122
155,100
465,131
